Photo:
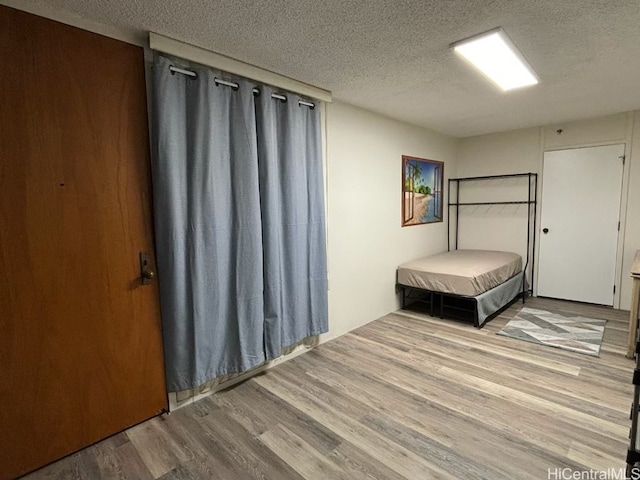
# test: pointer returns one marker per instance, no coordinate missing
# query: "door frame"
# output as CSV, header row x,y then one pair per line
x,y
563,283
626,141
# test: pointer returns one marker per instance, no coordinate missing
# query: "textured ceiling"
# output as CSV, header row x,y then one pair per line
x,y
392,56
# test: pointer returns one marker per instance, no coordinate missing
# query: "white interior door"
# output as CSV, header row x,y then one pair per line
x,y
580,212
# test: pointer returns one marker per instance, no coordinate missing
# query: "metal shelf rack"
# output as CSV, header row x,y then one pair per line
x,y
531,202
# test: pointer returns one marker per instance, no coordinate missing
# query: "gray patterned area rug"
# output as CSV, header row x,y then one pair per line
x,y
577,334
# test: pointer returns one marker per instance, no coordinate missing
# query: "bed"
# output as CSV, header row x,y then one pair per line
x,y
476,284
463,283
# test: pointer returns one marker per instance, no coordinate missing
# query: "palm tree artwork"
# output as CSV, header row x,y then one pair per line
x,y
422,182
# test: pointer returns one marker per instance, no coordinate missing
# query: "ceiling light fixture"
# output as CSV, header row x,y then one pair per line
x,y
495,55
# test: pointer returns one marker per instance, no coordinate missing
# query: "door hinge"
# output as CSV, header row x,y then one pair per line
x,y
618,226
614,289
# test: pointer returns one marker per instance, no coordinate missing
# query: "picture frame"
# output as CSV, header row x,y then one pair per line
x,y
422,190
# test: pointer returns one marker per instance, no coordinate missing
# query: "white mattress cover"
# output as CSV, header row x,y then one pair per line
x,y
461,272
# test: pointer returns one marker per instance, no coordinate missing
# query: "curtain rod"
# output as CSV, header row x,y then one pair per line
x,y
234,85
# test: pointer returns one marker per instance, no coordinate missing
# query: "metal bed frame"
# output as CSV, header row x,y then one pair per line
x,y
457,306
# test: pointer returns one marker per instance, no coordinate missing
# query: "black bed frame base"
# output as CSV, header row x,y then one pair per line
x,y
449,304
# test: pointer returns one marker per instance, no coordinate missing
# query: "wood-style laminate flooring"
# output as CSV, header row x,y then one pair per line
x,y
407,396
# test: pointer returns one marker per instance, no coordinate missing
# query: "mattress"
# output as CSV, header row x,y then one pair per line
x,y
461,272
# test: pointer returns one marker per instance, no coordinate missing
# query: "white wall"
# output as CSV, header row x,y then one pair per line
x,y
365,239
501,227
499,153
523,150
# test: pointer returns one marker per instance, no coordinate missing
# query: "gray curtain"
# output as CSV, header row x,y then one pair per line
x,y
207,218
293,227
239,220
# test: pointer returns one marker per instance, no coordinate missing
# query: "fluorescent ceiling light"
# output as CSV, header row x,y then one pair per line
x,y
496,56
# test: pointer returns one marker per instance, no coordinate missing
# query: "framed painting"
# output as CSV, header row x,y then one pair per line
x,y
422,184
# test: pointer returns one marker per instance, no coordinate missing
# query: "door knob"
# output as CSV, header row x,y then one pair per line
x,y
545,230
146,272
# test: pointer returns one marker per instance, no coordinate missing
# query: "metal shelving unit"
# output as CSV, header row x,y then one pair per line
x,y
531,201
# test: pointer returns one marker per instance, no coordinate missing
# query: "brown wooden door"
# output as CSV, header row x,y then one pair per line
x,y
80,343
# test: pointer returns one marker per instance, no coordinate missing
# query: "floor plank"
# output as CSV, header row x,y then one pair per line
x,y
407,396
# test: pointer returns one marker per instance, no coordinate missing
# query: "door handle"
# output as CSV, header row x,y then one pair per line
x,y
545,230
146,272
